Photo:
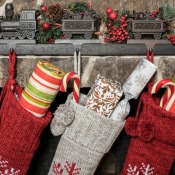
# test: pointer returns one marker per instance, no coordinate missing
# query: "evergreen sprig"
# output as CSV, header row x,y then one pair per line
x,y
78,7
123,12
44,36
168,12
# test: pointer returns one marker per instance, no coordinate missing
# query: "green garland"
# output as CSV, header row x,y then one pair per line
x,y
46,36
78,7
168,12
54,32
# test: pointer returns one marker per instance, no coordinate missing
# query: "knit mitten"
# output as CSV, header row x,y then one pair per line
x,y
19,130
152,147
84,141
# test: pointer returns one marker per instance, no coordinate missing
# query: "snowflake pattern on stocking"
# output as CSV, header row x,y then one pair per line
x,y
143,170
68,168
71,168
5,170
132,170
57,168
147,169
3,163
10,171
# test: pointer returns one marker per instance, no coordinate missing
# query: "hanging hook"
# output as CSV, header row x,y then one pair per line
x,y
77,51
12,50
150,51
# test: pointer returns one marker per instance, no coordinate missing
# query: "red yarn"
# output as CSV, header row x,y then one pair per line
x,y
12,60
19,129
150,57
152,147
131,126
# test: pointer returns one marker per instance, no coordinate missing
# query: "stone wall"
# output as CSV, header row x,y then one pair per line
x,y
114,67
98,5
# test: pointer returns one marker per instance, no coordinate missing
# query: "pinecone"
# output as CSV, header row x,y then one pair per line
x,y
54,13
166,25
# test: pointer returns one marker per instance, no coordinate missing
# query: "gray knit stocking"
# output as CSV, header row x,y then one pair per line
x,y
84,141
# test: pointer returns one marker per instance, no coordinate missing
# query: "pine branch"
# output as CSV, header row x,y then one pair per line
x,y
78,7
168,13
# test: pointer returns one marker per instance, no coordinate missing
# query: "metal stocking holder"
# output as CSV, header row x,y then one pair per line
x,y
77,50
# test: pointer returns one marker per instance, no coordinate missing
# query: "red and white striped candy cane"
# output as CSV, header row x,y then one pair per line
x,y
163,83
76,85
168,93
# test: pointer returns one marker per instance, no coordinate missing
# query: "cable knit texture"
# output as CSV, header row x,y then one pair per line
x,y
152,147
19,130
84,141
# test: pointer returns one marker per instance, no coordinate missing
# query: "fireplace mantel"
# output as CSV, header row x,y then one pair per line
x,y
115,61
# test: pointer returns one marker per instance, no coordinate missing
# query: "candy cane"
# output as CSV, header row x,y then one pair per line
x,y
76,86
168,93
163,83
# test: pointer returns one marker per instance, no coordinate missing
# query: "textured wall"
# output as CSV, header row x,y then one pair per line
x,y
98,5
115,67
112,67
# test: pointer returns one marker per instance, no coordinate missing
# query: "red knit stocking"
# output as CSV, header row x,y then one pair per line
x,y
152,147
19,130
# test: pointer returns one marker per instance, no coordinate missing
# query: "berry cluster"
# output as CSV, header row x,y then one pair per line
x,y
171,38
111,14
154,14
120,33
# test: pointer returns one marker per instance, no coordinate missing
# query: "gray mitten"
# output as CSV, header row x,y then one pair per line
x,y
85,140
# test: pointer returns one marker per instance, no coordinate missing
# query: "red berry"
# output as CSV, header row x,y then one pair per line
x,y
50,40
46,25
43,8
109,24
119,33
109,10
62,36
114,27
89,5
113,15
